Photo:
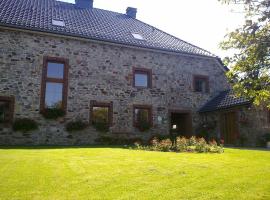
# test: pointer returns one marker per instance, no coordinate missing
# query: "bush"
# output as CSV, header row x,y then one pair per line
x,y
201,145
101,127
143,126
76,126
53,113
192,141
24,125
183,144
262,140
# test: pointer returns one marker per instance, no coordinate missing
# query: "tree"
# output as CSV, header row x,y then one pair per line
x,y
250,66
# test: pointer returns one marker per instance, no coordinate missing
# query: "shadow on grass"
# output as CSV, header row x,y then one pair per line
x,y
66,147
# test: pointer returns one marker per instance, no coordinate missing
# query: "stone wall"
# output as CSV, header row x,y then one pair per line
x,y
99,72
252,123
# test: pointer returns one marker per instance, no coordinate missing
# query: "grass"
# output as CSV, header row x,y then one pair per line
x,y
117,173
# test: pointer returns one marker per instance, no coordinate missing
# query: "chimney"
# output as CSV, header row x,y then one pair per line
x,y
131,12
84,4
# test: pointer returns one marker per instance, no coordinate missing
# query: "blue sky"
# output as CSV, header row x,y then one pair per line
x,y
200,22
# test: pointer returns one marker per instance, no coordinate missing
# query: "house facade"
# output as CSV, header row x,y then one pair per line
x,y
100,66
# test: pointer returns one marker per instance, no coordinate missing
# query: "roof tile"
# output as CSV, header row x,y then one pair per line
x,y
93,23
223,100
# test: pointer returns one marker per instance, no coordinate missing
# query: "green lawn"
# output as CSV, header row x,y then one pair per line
x,y
116,173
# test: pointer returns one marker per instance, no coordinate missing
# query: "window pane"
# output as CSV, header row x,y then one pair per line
x,y
55,70
4,111
100,115
199,85
141,80
203,83
141,115
53,95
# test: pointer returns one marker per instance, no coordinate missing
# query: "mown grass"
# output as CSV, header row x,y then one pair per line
x,y
118,173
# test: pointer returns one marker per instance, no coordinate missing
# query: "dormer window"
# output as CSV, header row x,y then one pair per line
x,y
58,23
137,36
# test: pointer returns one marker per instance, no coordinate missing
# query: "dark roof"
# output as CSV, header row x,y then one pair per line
x,y
96,24
223,100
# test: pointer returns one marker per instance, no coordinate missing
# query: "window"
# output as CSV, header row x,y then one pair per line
x,y
142,114
101,113
54,83
201,84
142,78
6,109
137,36
58,23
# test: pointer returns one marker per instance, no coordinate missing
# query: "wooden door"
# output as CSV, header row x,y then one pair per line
x,y
229,127
183,121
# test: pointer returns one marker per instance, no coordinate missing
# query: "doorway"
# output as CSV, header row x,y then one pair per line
x,y
229,127
181,122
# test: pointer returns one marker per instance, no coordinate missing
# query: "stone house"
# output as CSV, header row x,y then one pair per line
x,y
102,66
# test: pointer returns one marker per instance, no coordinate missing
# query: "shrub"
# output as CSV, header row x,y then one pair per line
x,y
53,113
158,138
266,137
76,126
192,141
201,145
24,125
143,126
262,140
183,144
101,127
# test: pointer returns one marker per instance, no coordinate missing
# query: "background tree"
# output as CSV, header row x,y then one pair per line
x,y
250,65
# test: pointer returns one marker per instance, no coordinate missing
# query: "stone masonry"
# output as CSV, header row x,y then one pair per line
x,y
101,72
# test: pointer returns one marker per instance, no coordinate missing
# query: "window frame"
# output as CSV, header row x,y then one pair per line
x,y
46,79
204,78
109,105
146,107
148,72
11,100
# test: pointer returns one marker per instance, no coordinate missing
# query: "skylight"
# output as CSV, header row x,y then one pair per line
x,y
137,36
58,22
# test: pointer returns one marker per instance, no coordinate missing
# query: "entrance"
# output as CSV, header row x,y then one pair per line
x,y
229,128
181,122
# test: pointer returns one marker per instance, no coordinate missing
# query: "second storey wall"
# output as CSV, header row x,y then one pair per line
x,y
104,73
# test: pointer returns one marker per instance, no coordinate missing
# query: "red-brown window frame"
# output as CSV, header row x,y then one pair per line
x,y
150,113
63,80
201,77
11,100
137,70
108,105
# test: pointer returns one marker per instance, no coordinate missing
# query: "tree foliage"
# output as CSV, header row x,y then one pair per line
x,y
250,66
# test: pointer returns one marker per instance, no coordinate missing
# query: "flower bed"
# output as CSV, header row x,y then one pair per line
x,y
183,144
